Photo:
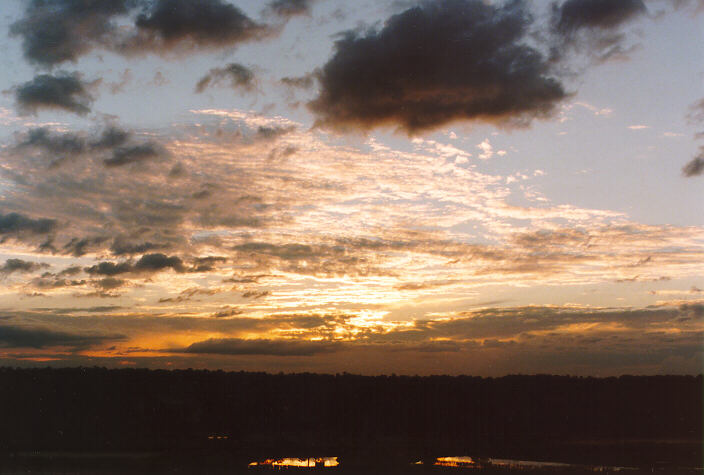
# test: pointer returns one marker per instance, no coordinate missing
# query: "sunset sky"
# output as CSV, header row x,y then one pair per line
x,y
454,186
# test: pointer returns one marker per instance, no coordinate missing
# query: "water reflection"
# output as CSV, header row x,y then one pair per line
x,y
455,462
310,462
519,465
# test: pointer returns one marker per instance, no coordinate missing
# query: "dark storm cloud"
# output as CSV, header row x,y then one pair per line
x,y
237,346
54,31
17,225
133,154
237,75
195,23
288,8
19,265
148,263
24,337
61,91
439,62
573,15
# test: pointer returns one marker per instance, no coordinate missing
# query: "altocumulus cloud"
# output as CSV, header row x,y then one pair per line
x,y
436,63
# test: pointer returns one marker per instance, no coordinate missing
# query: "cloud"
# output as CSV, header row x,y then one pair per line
x,y
19,265
148,263
18,225
593,26
156,262
238,76
237,346
695,167
194,23
440,62
573,15
62,143
26,337
133,154
55,31
289,8
62,91
111,137
306,81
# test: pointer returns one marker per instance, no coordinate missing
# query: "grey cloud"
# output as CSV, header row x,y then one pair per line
x,y
148,263
439,62
19,265
71,271
206,264
78,247
592,26
237,346
109,283
304,82
109,268
59,144
111,137
133,154
62,91
195,23
156,262
237,75
289,8
27,337
122,246
606,14
54,31
17,225
56,148
503,323
272,133
695,167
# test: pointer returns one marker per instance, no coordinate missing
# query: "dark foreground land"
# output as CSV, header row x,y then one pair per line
x,y
140,421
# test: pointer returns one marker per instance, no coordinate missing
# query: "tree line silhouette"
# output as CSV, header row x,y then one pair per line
x,y
580,419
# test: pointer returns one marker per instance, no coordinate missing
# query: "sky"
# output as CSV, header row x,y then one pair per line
x,y
444,187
